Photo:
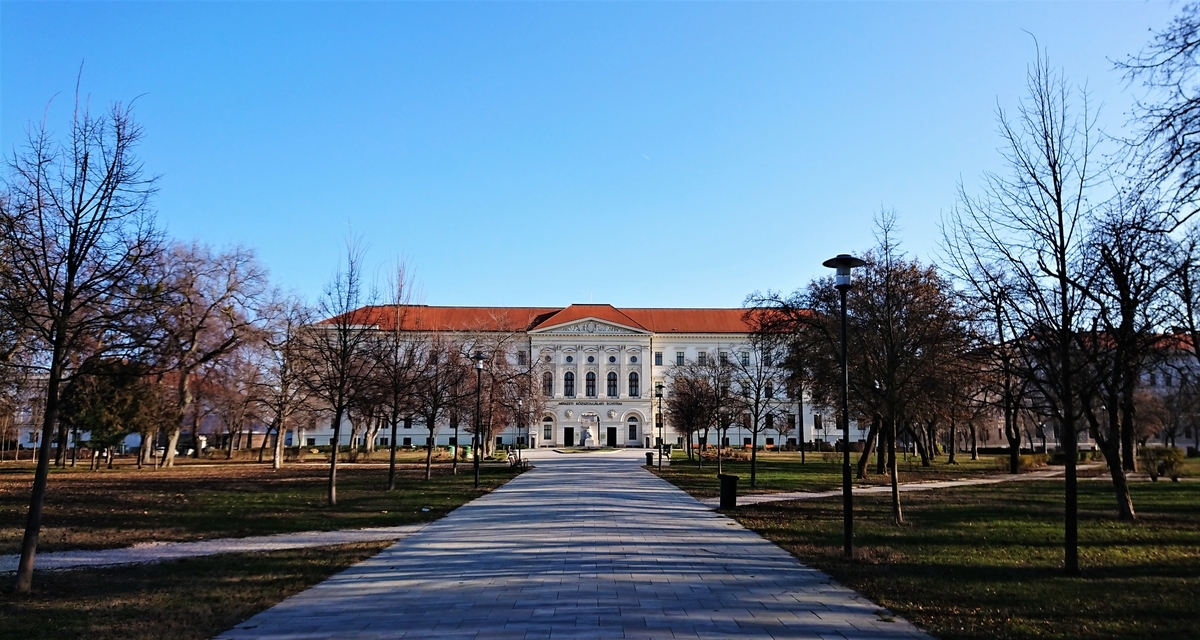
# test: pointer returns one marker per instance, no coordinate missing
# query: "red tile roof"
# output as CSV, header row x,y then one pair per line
x,y
426,318
604,312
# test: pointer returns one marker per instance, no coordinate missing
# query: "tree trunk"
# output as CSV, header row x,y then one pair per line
x,y
37,498
974,441
753,458
868,447
429,453
333,457
277,458
897,513
262,448
301,443
920,444
392,460
1128,443
953,444
883,437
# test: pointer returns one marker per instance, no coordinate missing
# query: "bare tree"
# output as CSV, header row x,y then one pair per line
x,y
76,222
690,402
398,360
336,350
439,385
760,380
907,332
1167,148
1033,222
283,392
212,307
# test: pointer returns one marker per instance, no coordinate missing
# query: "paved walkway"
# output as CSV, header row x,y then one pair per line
x,y
160,551
759,498
583,546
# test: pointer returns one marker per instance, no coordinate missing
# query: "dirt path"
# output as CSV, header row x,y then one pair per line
x,y
160,551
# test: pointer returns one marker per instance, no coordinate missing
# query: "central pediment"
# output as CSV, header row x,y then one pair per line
x,y
590,319
589,326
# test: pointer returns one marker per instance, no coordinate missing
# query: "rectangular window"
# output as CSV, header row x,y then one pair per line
x,y
745,442
658,358
791,422
547,432
407,442
723,357
745,355
408,422
312,442
383,442
702,358
679,358
633,432
770,442
453,441
499,441
522,358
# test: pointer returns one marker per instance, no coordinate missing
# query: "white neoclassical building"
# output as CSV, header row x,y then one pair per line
x,y
597,367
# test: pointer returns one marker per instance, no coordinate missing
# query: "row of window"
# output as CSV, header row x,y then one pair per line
x,y
589,382
702,358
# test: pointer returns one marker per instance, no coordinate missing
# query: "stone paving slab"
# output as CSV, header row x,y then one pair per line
x,y
161,551
582,546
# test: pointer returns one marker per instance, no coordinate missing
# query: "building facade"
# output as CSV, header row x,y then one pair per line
x,y
597,368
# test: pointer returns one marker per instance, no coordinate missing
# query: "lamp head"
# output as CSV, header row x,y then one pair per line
x,y
658,390
478,358
843,263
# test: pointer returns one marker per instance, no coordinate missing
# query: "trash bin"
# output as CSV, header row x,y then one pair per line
x,y
728,490
649,458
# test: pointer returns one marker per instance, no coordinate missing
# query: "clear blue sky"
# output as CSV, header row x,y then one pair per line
x,y
641,154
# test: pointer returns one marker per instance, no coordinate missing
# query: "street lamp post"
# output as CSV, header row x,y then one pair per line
x,y
843,263
520,424
475,439
658,394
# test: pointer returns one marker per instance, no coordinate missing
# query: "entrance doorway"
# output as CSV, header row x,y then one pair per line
x,y
568,436
612,436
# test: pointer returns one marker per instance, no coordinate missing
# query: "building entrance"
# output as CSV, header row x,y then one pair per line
x,y
568,436
612,436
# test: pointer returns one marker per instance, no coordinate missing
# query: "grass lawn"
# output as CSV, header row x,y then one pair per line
x,y
983,562
783,471
117,508
182,599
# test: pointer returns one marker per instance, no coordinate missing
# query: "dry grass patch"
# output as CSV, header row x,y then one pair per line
x,y
117,508
182,599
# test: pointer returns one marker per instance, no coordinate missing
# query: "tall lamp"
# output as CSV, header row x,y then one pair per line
x,y
520,423
843,263
658,387
475,439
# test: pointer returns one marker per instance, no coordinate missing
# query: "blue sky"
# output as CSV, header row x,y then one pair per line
x,y
642,154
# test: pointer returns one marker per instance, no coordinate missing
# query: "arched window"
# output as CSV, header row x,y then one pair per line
x,y
569,384
635,390
590,389
547,384
612,385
